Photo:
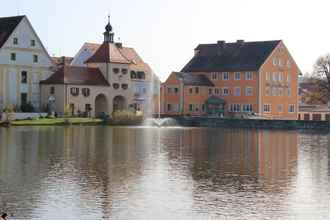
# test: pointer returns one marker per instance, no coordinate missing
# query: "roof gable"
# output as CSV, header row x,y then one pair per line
x,y
238,56
7,26
108,53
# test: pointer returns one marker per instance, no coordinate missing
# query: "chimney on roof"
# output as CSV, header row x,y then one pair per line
x,y
119,44
62,61
220,46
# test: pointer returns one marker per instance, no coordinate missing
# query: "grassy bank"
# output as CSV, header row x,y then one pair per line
x,y
56,121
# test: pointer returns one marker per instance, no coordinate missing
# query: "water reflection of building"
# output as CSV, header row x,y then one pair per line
x,y
262,154
45,165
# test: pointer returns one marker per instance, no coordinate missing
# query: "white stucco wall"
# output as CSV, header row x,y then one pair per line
x,y
11,70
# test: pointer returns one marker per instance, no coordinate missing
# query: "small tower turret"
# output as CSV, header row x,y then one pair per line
x,y
108,34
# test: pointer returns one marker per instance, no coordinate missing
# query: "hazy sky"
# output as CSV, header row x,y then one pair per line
x,y
165,32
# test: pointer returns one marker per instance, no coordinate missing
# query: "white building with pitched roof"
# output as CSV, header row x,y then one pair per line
x,y
24,62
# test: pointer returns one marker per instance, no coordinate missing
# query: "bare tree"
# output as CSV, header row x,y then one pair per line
x,y
321,78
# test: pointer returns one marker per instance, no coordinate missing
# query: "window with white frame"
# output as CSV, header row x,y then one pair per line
x,y
225,76
280,91
291,109
214,76
274,91
267,76
267,107
280,77
268,91
289,92
237,91
274,61
247,108
288,79
32,43
74,91
235,108
280,63
35,58
210,91
219,76
15,41
237,76
248,91
248,76
216,91
13,56
225,91
275,77
288,64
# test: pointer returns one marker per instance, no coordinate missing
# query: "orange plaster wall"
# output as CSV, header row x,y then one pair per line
x,y
283,54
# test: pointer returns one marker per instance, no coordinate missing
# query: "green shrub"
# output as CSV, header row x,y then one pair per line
x,y
126,117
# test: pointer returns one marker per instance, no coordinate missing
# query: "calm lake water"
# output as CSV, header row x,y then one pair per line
x,y
175,173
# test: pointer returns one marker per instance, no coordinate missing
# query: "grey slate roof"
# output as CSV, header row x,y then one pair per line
x,y
194,79
7,26
238,56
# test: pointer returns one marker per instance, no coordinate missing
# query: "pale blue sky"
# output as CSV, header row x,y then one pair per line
x,y
165,32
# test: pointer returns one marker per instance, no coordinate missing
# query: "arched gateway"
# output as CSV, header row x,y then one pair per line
x,y
119,103
101,105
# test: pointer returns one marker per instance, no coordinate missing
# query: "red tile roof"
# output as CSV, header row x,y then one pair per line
x,y
7,26
106,53
74,75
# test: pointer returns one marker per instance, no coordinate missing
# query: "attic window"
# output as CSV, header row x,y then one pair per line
x,y
15,41
33,43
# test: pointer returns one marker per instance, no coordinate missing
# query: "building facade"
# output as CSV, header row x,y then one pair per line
x,y
115,77
24,62
249,79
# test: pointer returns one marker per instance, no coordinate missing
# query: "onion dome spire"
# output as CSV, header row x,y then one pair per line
x,y
108,34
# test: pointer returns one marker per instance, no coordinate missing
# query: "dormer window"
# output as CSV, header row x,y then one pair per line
x,y
32,43
15,41
116,70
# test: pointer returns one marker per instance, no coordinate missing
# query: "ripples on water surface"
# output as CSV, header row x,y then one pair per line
x,y
149,173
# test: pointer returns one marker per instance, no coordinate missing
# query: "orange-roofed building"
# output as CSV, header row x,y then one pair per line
x,y
240,79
